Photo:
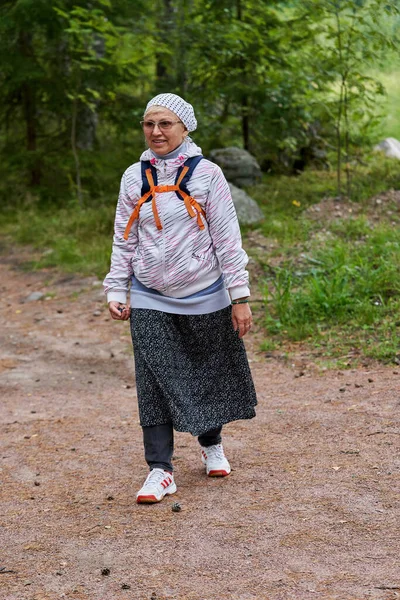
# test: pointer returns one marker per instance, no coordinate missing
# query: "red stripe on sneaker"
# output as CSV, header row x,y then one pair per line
x,y
218,473
150,499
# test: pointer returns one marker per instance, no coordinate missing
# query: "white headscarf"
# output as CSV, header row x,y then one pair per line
x,y
177,105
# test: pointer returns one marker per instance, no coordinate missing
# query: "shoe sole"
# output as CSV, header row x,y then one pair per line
x,y
220,473
151,499
215,472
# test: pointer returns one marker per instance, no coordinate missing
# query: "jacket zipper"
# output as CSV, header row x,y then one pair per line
x,y
165,274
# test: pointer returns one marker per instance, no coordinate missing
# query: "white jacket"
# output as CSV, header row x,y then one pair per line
x,y
180,259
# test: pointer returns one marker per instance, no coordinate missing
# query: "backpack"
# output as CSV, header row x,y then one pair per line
x,y
150,189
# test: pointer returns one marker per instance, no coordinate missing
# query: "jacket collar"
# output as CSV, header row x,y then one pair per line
x,y
188,150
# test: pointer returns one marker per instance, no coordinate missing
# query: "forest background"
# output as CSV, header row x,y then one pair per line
x,y
308,87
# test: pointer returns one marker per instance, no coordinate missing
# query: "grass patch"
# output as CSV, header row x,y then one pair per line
x,y
283,199
390,79
333,288
343,297
71,239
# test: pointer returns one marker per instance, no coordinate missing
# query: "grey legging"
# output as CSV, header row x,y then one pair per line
x,y
159,444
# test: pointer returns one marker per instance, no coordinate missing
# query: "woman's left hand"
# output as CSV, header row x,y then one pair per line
x,y
241,318
118,311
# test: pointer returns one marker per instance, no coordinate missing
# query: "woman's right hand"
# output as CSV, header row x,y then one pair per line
x,y
241,318
118,311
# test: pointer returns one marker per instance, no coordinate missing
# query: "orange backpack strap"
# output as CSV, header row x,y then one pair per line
x,y
200,212
143,199
150,179
182,175
150,189
187,200
182,178
155,213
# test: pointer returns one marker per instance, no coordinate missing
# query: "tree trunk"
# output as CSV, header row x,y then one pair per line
x,y
30,114
75,152
245,123
245,100
340,106
87,117
166,26
184,42
339,144
347,141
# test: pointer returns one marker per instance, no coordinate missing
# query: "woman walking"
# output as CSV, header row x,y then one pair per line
x,y
177,248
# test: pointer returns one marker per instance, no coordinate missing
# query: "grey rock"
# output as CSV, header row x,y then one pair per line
x,y
34,296
238,165
247,209
390,146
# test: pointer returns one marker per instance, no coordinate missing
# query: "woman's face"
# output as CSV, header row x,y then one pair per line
x,y
162,141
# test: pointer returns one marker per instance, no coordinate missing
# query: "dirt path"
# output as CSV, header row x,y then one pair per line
x,y
311,510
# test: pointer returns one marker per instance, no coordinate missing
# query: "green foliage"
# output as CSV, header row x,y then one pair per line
x,y
389,105
346,286
352,41
336,285
333,286
65,65
289,80
68,238
284,199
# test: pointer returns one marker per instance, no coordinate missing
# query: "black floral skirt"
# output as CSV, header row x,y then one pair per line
x,y
191,370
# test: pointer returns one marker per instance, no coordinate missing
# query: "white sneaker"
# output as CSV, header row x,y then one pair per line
x,y
159,483
214,459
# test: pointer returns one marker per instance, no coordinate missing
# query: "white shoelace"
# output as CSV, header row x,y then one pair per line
x,y
156,476
216,451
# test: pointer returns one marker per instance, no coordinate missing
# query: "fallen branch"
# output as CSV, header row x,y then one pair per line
x,y
384,433
387,587
91,528
4,570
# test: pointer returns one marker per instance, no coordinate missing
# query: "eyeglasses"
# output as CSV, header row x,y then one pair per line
x,y
164,125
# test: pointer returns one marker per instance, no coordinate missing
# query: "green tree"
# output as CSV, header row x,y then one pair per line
x,y
236,48
28,40
278,78
92,41
64,64
348,40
